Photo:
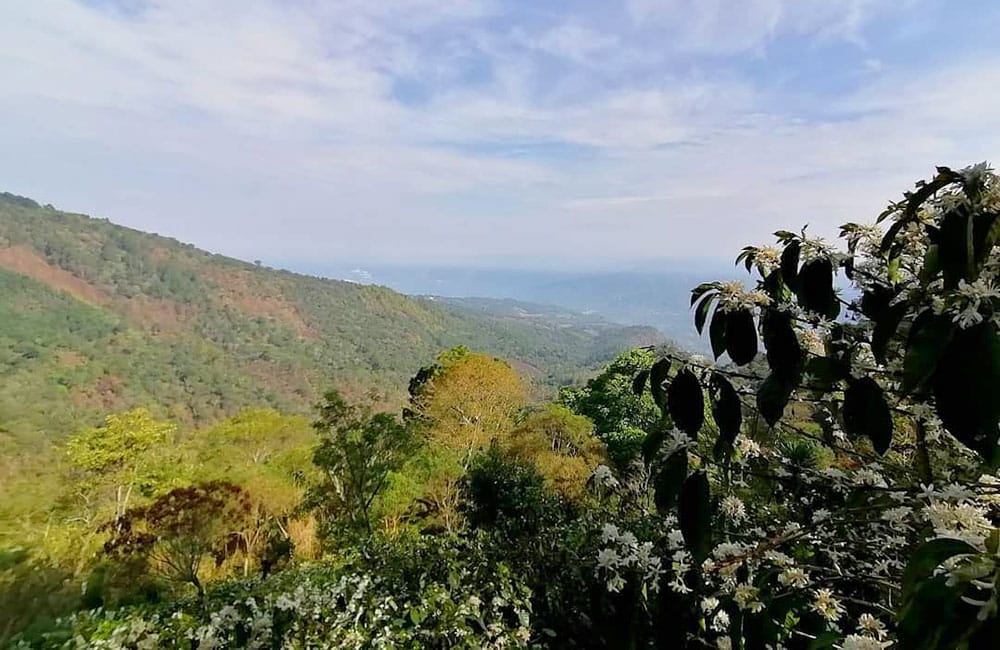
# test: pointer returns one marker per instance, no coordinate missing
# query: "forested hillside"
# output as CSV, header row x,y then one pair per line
x,y
96,317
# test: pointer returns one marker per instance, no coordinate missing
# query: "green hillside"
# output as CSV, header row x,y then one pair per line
x,y
96,317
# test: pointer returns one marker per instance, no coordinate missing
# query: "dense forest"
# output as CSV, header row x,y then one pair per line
x,y
829,480
96,317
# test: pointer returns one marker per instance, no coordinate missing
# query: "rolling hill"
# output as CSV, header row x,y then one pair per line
x,y
96,317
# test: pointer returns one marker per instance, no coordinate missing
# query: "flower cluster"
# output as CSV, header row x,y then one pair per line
x,y
624,556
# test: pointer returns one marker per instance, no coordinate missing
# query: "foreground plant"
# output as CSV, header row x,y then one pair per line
x,y
846,496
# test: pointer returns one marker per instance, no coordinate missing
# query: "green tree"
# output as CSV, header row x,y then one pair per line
x,y
621,417
116,458
357,452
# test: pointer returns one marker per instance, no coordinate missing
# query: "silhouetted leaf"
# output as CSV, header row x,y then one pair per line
x,y
727,411
815,290
966,386
694,515
926,344
886,325
866,413
952,240
651,444
701,290
657,377
772,397
784,354
639,383
741,336
717,333
669,479
701,313
790,264
686,402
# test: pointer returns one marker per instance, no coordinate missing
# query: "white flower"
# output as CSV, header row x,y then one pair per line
x,y
857,642
607,558
821,514
746,598
733,508
721,622
968,317
724,643
826,605
793,577
897,517
609,533
871,626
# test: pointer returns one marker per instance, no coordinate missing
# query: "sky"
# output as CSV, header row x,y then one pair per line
x,y
522,133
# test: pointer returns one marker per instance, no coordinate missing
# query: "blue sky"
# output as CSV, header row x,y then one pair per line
x,y
525,133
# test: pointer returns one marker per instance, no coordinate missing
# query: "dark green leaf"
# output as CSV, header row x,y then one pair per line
x,y
701,290
741,337
657,377
790,264
717,333
727,411
826,371
784,354
651,444
694,515
926,344
815,289
686,402
952,243
928,557
669,479
701,313
772,397
866,413
886,325
639,383
966,386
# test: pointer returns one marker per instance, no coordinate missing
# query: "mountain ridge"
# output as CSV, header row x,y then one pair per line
x,y
98,317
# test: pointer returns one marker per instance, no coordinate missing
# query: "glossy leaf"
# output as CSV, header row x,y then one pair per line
x,y
928,557
701,313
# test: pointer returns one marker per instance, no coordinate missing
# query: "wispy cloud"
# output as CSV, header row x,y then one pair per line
x,y
449,128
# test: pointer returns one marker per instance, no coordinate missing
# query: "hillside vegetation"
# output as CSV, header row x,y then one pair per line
x,y
96,317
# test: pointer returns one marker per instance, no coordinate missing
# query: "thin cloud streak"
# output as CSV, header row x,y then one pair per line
x,y
424,130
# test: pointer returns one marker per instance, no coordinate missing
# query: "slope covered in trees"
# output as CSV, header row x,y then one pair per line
x,y
96,317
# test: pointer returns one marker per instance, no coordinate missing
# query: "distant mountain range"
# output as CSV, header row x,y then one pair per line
x,y
95,317
645,296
